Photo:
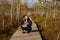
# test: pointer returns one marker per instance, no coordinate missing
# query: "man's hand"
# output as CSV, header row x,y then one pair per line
x,y
24,25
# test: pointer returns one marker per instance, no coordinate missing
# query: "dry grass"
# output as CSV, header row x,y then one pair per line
x,y
48,25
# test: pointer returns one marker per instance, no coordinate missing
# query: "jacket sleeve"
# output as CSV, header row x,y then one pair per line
x,y
22,22
30,23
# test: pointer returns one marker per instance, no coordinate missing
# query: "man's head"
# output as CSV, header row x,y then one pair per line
x,y
26,17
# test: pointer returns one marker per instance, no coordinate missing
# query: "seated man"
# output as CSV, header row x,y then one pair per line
x,y
26,24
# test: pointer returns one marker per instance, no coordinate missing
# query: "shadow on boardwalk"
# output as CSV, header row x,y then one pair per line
x,y
40,31
34,31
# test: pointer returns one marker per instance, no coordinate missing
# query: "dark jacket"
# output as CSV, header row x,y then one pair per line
x,y
28,28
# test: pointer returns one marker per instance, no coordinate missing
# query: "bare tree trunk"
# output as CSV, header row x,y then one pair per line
x,y
58,36
46,20
3,23
11,11
18,10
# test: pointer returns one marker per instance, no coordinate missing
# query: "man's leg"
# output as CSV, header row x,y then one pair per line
x,y
24,30
28,29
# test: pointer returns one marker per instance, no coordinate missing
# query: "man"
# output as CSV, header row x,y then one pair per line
x,y
26,24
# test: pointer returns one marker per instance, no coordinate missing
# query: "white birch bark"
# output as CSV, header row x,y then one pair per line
x,y
11,11
3,22
18,10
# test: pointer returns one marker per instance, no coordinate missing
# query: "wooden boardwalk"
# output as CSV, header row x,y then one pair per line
x,y
34,35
